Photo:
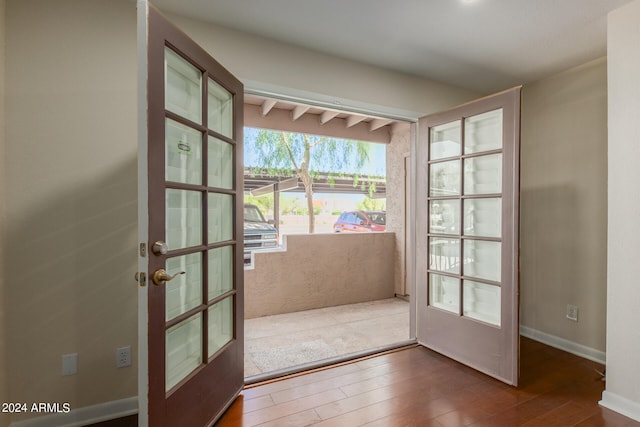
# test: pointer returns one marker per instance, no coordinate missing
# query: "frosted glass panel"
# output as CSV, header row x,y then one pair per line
x,y
444,178
483,132
183,218
184,349
444,292
220,271
183,87
445,141
483,217
220,163
481,301
483,175
183,154
220,324
184,292
444,254
482,259
444,216
220,217
220,109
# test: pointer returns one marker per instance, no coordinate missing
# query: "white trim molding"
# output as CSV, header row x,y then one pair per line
x,y
620,404
564,344
84,416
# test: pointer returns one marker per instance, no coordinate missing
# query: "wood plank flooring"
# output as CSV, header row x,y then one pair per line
x,y
417,387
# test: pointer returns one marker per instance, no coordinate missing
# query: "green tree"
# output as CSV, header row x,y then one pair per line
x,y
370,204
306,155
264,202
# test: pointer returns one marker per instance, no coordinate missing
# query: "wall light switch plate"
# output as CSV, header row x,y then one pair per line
x,y
69,364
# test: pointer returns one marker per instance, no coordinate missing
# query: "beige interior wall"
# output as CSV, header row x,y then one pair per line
x,y
253,58
623,298
564,204
4,383
72,205
320,270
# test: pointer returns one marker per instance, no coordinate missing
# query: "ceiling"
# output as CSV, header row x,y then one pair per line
x,y
483,45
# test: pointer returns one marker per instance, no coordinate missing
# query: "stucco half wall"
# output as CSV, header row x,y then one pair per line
x,y
320,270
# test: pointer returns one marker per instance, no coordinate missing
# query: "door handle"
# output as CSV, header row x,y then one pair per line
x,y
160,276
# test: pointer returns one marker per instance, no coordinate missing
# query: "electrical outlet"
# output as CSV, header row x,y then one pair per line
x,y
69,364
123,357
572,312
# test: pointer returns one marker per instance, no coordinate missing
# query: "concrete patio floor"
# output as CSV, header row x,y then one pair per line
x,y
283,341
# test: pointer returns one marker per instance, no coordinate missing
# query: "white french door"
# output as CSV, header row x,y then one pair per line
x,y
467,234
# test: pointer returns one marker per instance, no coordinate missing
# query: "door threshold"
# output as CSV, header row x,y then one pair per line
x,y
332,362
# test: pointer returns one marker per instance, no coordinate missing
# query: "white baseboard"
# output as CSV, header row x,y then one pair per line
x,y
621,405
563,344
84,416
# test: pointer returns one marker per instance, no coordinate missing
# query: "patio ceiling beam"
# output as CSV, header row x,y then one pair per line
x,y
267,105
327,115
280,119
354,120
378,123
298,111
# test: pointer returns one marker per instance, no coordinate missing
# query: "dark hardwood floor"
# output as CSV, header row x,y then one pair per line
x,y
417,387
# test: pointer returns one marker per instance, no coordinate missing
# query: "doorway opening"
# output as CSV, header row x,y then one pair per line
x,y
334,294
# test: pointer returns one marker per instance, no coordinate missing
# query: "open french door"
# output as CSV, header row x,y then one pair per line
x,y
467,234
191,255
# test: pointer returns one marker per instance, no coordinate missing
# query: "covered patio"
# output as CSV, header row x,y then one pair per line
x,y
283,341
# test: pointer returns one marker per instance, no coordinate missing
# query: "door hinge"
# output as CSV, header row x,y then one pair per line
x,y
143,250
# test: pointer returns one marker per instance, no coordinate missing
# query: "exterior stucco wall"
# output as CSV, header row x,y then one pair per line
x,y
398,148
320,270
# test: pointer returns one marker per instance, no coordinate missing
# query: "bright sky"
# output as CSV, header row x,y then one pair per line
x,y
375,166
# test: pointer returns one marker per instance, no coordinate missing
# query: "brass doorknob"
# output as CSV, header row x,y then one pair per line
x,y
160,276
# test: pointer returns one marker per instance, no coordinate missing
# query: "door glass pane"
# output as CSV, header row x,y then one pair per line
x,y
483,175
183,87
482,217
220,109
220,271
184,292
444,254
482,259
483,132
481,301
444,178
220,163
184,349
183,154
444,292
183,218
445,141
444,216
220,217
220,324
